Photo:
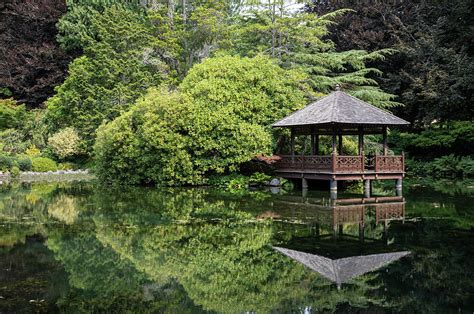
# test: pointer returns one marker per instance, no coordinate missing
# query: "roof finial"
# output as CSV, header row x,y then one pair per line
x,y
338,87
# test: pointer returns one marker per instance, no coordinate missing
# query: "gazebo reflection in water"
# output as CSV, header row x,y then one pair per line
x,y
338,115
344,238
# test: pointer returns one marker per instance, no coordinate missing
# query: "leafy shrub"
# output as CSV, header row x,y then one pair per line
x,y
449,166
11,114
6,162
66,143
444,167
466,164
24,163
259,178
32,151
66,166
217,120
11,141
15,171
238,183
456,137
43,164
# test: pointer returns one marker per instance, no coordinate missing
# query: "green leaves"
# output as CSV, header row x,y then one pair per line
x,y
117,68
217,119
299,40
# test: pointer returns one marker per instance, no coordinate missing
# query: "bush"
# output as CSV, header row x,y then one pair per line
x,y
11,114
218,119
24,164
66,166
32,151
466,164
6,163
456,137
43,164
15,171
66,143
449,166
259,178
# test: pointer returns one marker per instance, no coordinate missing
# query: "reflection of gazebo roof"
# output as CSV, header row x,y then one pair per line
x,y
344,269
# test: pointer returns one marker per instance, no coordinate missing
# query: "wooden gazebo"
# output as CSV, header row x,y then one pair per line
x,y
336,115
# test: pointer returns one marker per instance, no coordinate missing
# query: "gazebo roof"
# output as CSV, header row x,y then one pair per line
x,y
340,108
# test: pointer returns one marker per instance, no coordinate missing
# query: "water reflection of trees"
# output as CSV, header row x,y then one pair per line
x,y
192,249
226,265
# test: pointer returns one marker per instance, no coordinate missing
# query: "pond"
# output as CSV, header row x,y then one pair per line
x,y
80,247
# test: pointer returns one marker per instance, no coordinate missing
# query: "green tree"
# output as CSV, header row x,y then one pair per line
x,y
77,28
218,119
432,73
115,70
299,40
11,114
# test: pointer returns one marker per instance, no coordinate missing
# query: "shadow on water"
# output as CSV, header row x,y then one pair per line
x,y
79,247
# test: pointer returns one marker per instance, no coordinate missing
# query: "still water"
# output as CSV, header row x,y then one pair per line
x,y
80,247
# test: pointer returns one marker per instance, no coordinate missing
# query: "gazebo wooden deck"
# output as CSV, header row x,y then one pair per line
x,y
338,115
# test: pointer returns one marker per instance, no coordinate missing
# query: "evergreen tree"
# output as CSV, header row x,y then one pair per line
x,y
299,40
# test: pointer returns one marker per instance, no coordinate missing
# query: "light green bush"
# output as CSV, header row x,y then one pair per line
x,y
219,118
15,171
66,166
66,143
43,164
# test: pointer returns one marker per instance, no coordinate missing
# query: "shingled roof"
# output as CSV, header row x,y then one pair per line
x,y
340,108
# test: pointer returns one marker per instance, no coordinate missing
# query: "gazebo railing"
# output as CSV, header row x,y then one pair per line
x,y
341,164
389,163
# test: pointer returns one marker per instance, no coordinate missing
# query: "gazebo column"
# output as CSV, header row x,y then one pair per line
x,y
314,142
340,144
333,189
367,188
361,141
292,144
334,141
385,141
398,187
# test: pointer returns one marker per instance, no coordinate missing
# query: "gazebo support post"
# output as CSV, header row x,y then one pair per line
x,y
340,144
367,188
316,144
333,189
334,141
361,232
399,187
361,141
292,145
304,183
385,141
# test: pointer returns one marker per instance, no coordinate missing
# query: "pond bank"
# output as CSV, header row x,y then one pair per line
x,y
59,175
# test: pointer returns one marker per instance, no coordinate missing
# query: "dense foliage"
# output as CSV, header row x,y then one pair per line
x,y
114,71
178,100
31,61
432,71
218,118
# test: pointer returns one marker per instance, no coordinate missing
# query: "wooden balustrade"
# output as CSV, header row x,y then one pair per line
x,y
389,164
389,211
342,164
351,164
